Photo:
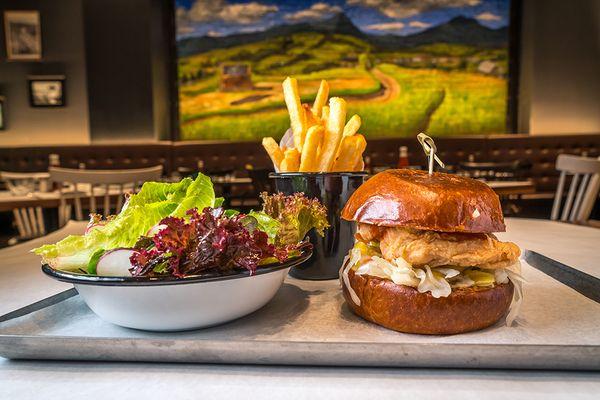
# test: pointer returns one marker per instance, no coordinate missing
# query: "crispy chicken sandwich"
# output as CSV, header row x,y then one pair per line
x,y
426,259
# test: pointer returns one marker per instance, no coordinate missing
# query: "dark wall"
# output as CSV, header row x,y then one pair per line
x,y
62,54
560,67
164,69
116,54
126,67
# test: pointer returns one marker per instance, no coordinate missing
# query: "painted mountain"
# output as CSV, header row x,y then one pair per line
x,y
459,30
442,70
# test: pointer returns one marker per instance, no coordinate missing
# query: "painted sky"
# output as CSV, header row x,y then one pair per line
x,y
399,17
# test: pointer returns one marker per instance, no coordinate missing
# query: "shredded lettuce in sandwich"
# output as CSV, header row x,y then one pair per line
x,y
366,259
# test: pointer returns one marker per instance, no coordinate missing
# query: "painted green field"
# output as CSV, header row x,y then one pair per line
x,y
438,102
448,98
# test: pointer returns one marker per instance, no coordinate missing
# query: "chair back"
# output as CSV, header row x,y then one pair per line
x,y
583,190
29,221
89,184
23,183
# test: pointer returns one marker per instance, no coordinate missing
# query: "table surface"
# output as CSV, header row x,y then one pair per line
x,y
222,180
9,201
50,199
6,196
504,184
22,283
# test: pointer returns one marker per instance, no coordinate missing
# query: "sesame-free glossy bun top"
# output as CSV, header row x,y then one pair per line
x,y
414,199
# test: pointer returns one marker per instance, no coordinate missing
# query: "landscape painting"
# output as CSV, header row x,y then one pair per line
x,y
405,66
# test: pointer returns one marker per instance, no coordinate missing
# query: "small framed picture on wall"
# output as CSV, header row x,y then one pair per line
x,y
47,91
2,122
23,35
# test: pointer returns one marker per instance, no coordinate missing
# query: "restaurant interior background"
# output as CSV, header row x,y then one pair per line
x,y
117,62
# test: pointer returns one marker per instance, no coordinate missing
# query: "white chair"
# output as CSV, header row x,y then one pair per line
x,y
76,184
28,220
583,191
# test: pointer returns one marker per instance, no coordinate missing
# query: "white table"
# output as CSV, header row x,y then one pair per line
x,y
21,283
9,201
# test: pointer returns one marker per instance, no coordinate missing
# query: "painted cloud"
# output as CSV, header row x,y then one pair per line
x,y
419,24
409,8
488,16
316,11
221,10
386,26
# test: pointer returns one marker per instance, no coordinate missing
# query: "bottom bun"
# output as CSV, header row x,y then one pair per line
x,y
403,308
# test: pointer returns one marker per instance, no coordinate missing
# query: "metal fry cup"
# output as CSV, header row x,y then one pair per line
x,y
332,189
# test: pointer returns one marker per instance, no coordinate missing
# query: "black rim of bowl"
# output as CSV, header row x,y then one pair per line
x,y
97,280
315,174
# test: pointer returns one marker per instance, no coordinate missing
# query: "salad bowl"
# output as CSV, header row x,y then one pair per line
x,y
176,304
174,258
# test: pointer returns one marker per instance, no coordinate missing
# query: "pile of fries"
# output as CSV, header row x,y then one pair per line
x,y
323,140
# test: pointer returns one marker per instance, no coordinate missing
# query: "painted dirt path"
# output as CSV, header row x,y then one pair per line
x,y
390,89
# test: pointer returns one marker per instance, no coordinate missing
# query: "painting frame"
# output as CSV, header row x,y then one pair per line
x,y
2,114
47,91
25,45
513,48
514,66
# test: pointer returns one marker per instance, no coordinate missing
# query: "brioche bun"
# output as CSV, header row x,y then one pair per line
x,y
438,202
404,309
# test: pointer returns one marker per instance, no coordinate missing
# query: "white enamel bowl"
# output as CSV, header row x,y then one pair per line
x,y
176,304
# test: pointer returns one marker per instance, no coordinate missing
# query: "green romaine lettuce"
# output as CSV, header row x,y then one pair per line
x,y
142,211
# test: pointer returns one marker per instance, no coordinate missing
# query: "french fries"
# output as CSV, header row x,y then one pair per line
x,y
291,161
309,161
360,165
323,141
333,133
325,115
351,149
352,126
297,114
311,118
361,146
321,98
273,150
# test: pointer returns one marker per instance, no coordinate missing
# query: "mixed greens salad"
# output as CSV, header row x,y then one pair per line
x,y
180,229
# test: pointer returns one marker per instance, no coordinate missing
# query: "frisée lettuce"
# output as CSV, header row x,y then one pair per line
x,y
296,215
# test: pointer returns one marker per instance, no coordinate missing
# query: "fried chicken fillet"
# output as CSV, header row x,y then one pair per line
x,y
420,248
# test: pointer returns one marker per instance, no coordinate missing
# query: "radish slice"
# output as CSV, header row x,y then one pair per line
x,y
115,263
155,229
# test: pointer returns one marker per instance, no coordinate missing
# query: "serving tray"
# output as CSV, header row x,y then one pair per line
x,y
308,323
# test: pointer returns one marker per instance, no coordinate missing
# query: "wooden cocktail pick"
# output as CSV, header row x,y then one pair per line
x,y
430,149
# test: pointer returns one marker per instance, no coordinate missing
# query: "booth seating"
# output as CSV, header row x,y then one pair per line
x,y
217,156
540,150
93,156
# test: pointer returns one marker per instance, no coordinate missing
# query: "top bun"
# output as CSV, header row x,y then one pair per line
x,y
415,199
